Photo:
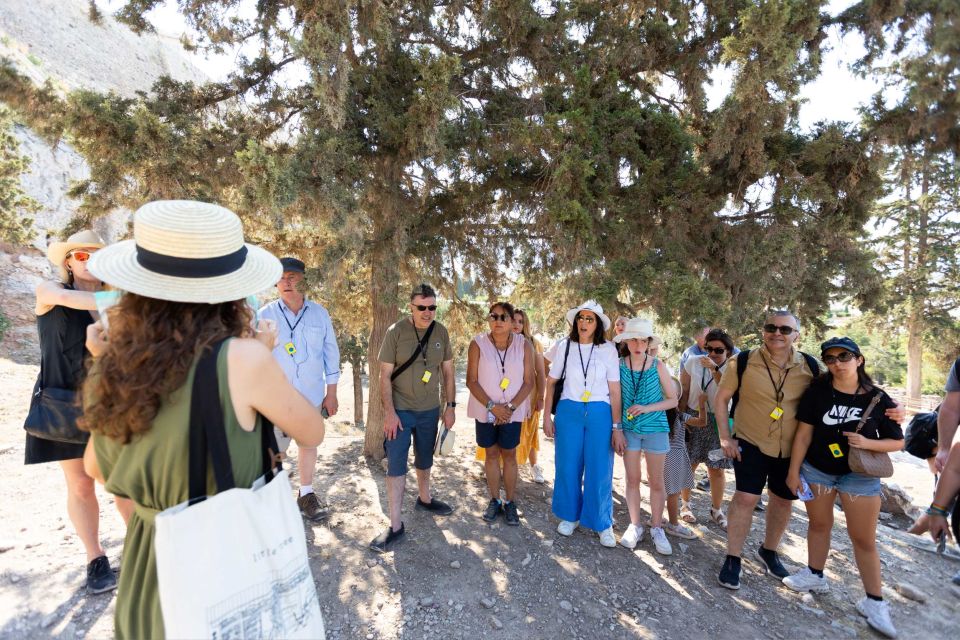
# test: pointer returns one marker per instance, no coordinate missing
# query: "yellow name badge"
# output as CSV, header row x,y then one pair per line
x,y
777,413
835,450
289,348
505,383
425,377
585,397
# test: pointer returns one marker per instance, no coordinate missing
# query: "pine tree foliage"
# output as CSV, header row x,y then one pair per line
x,y
566,141
15,204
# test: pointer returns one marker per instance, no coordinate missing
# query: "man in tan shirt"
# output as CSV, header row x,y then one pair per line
x,y
764,422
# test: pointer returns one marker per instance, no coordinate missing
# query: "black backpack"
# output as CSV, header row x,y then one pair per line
x,y
921,437
742,358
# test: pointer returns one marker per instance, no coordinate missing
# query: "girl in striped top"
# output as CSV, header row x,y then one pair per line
x,y
647,392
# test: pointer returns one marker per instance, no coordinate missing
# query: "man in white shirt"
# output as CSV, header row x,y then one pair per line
x,y
308,354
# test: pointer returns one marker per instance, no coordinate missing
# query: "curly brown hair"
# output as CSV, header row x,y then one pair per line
x,y
153,344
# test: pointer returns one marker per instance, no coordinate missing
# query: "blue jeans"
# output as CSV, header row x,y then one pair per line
x,y
852,484
583,486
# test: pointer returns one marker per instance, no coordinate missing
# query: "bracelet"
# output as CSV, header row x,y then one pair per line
x,y
934,510
617,426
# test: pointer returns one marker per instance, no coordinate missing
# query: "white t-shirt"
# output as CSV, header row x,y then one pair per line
x,y
702,381
600,361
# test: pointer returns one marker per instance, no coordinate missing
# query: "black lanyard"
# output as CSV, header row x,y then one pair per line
x,y
703,387
777,390
297,323
634,378
584,367
423,347
503,360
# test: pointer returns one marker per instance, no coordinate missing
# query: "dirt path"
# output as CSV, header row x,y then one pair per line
x,y
458,577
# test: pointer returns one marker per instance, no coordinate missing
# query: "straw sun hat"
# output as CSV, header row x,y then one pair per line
x,y
186,251
57,251
639,328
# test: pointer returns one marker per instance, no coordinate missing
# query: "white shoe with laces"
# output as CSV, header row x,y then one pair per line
x,y
566,528
607,538
631,536
537,474
806,580
877,613
660,541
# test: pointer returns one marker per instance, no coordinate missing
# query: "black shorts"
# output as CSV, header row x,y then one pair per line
x,y
756,469
505,436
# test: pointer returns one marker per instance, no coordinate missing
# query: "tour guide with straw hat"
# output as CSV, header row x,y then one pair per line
x,y
186,275
588,410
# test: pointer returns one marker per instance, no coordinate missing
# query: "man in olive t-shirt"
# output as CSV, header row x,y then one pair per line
x,y
411,404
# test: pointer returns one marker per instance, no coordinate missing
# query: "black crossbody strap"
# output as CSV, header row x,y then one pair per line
x,y
207,433
416,352
563,374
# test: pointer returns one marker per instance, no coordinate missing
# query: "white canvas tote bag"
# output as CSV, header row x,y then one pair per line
x,y
233,565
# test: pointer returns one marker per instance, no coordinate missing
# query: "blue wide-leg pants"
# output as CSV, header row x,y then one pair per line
x,y
583,486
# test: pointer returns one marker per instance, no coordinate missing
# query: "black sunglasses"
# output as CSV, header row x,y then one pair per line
x,y
423,307
846,356
784,330
717,350
502,317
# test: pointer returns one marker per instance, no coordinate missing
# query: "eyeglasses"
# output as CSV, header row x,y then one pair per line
x,y
717,350
784,330
846,356
587,319
423,307
502,317
79,256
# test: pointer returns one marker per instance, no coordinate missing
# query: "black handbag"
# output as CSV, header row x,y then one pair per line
x,y
53,415
558,387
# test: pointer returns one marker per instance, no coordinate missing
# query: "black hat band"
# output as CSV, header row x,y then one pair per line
x,y
191,267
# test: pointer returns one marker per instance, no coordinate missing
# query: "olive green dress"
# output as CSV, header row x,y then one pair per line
x,y
153,471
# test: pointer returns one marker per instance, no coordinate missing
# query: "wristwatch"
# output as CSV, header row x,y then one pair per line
x,y
451,405
490,405
511,406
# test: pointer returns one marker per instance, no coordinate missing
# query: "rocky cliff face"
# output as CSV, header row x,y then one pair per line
x,y
55,41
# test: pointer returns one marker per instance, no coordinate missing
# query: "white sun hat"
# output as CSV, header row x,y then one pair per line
x,y
639,328
186,251
589,305
57,251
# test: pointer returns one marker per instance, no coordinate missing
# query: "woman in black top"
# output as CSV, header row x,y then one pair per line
x,y
828,414
64,310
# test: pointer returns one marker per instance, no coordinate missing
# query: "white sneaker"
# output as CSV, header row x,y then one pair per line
x,y
877,613
537,474
660,541
566,528
631,536
806,580
607,538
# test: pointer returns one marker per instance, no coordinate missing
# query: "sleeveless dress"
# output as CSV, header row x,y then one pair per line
x,y
63,334
152,470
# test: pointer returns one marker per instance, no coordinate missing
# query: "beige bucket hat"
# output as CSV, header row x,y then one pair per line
x,y
187,251
639,328
57,251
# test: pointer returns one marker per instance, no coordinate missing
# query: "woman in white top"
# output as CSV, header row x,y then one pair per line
x,y
500,377
699,378
587,412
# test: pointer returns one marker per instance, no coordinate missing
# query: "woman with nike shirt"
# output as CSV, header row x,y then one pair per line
x,y
828,414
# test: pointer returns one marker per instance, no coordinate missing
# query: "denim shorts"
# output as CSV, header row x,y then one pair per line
x,y
421,427
852,484
658,442
506,436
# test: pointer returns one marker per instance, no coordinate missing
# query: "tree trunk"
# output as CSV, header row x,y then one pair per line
x,y
920,287
356,363
385,256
